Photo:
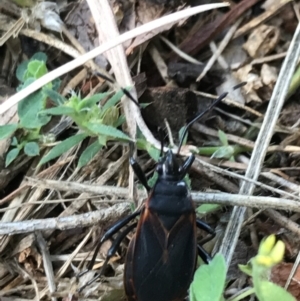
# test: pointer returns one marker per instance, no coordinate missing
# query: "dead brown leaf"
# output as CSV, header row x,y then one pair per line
x,y
280,274
32,260
268,75
247,74
262,41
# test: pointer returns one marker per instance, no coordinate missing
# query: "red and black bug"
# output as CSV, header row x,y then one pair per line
x,y
161,256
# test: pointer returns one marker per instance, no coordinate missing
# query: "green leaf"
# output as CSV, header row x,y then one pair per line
x,y
180,135
151,182
56,84
113,100
120,121
29,108
89,102
153,152
209,281
223,138
143,144
21,71
110,117
62,147
188,181
102,140
32,149
39,56
246,269
14,141
7,130
107,130
61,110
224,152
144,105
11,156
268,291
55,96
208,208
37,68
89,153
26,83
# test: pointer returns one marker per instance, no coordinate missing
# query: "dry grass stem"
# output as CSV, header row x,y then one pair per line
x,y
271,12
262,142
220,48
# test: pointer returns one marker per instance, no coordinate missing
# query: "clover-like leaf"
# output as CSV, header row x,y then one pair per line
x,y
37,68
29,108
55,96
39,56
21,71
11,156
7,130
31,149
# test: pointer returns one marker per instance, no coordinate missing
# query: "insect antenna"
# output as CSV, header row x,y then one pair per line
x,y
124,90
222,96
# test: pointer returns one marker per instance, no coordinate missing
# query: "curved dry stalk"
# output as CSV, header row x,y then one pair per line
x,y
175,17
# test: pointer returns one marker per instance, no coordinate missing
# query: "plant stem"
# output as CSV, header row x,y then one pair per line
x,y
243,295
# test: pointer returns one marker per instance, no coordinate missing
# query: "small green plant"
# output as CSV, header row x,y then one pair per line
x,y
225,151
209,280
93,119
26,133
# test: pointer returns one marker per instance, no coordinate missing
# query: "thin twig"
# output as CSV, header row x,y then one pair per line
x,y
47,263
220,49
67,222
283,221
119,210
180,53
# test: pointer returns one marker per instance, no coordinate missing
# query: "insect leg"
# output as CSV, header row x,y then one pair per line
x,y
203,226
138,170
110,253
108,234
204,255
